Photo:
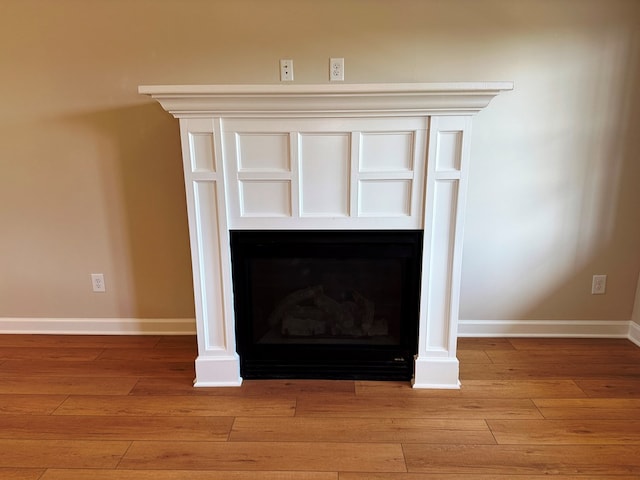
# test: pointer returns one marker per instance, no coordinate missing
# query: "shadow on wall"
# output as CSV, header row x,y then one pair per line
x,y
610,198
143,202
566,196
607,242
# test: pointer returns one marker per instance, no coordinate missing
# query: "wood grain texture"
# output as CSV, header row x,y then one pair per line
x,y
536,357
11,404
586,345
524,459
473,356
65,385
602,408
547,371
413,407
485,344
565,432
612,388
479,389
377,457
169,354
464,476
174,405
132,413
297,387
61,453
120,474
20,473
383,430
98,368
80,341
115,428
180,385
50,353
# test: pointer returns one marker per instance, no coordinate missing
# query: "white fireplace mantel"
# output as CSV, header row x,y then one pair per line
x,y
374,156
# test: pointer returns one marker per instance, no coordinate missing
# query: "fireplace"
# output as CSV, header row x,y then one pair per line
x,y
327,304
326,158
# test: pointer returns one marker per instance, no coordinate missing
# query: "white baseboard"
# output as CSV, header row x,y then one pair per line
x,y
99,326
634,333
546,328
187,326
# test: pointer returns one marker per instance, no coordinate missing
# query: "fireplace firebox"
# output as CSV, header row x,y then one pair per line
x,y
327,304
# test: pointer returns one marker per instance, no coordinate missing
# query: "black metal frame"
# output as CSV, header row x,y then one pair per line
x,y
350,361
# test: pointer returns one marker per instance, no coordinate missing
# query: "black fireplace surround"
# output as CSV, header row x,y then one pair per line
x,y
326,304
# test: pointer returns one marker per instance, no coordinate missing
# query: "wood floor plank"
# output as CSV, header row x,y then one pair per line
x,y
565,432
484,344
413,407
176,405
21,473
281,388
61,453
464,476
79,341
78,474
566,344
50,353
115,428
611,388
28,384
594,460
98,368
382,430
521,389
181,385
473,356
175,354
554,357
11,404
478,389
318,457
548,371
592,408
296,387
179,341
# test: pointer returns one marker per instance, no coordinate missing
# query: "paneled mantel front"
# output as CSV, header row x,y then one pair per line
x,y
326,157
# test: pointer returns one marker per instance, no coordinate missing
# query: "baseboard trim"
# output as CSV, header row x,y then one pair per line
x,y
634,333
187,326
545,328
98,326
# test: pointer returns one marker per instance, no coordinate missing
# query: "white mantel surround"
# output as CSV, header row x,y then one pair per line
x,y
372,156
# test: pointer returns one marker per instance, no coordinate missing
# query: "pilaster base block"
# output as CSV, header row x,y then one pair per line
x,y
217,371
436,372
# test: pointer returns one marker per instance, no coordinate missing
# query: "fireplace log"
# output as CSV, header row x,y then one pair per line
x,y
292,300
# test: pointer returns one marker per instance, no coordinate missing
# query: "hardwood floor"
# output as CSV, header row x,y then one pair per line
x,y
123,408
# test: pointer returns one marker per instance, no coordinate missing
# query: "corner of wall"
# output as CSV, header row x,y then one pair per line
x,y
634,325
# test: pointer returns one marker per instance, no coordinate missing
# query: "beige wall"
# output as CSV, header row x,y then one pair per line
x,y
90,172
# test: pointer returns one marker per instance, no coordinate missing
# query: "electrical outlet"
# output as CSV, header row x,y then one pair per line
x,y
97,281
336,69
599,285
286,70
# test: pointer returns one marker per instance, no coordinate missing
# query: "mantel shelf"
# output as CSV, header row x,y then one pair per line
x,y
184,101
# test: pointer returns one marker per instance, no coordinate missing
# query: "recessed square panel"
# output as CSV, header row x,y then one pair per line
x,y
270,198
201,150
324,166
385,198
386,151
449,150
263,152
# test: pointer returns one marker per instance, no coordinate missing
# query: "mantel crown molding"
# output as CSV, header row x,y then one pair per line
x,y
385,99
